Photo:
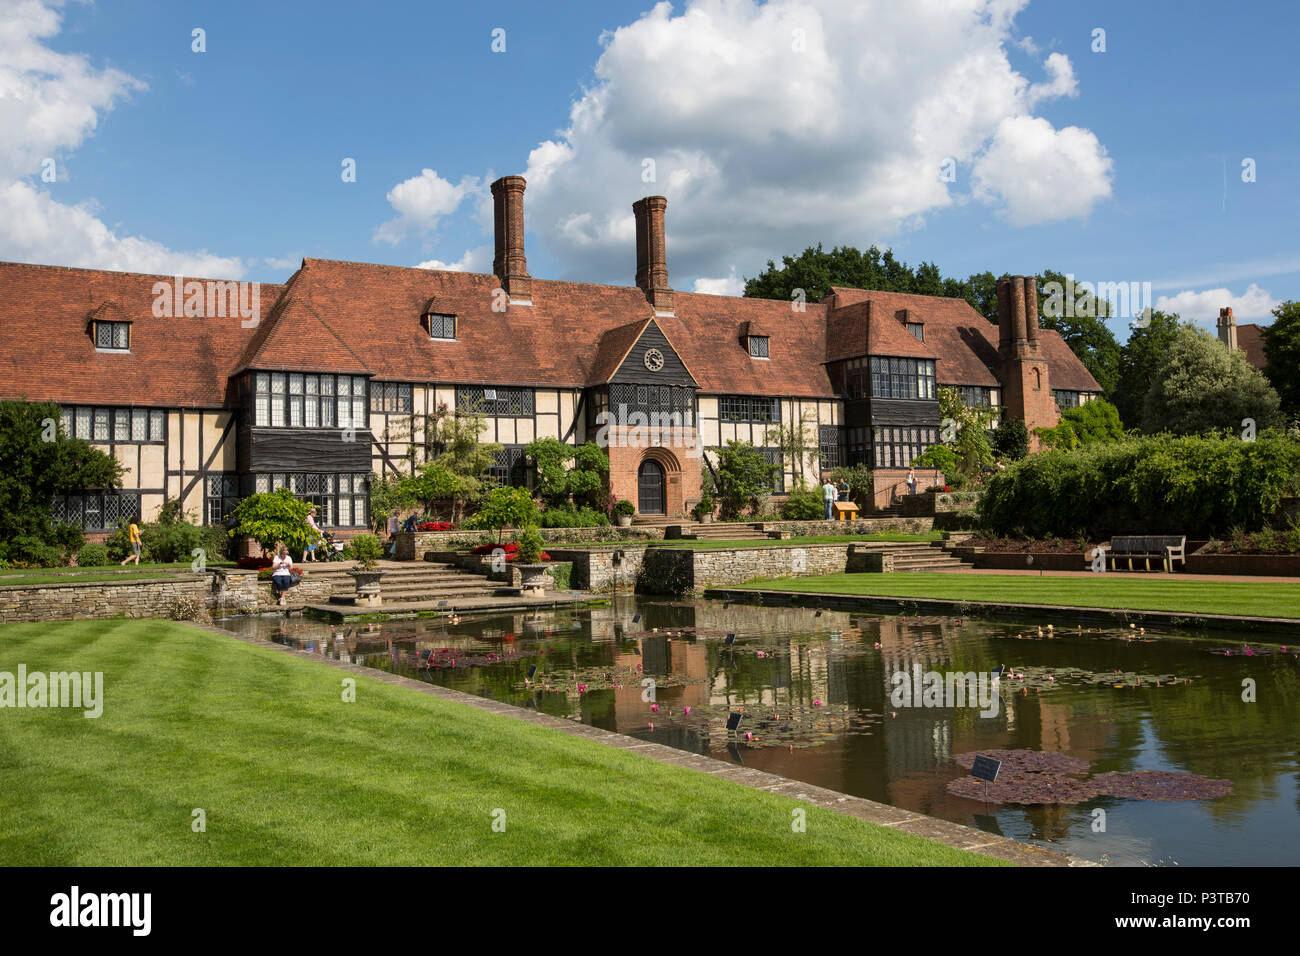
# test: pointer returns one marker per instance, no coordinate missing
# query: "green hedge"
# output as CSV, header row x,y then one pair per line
x,y
1193,485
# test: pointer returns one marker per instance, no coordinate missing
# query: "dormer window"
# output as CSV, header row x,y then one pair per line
x,y
917,329
112,336
440,325
759,347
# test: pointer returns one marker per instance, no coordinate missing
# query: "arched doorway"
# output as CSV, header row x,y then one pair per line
x,y
650,488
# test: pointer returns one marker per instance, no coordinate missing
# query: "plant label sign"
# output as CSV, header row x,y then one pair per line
x,y
986,768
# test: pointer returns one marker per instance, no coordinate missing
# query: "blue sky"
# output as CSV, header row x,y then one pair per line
x,y
771,127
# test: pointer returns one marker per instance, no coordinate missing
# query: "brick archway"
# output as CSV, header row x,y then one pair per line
x,y
681,483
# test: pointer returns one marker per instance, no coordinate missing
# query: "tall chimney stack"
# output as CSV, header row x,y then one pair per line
x,y
1031,311
1227,328
509,264
651,252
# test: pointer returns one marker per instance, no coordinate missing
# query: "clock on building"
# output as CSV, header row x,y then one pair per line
x,y
654,359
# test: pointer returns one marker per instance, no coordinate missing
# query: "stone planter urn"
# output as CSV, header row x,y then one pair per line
x,y
706,517
624,521
532,579
367,585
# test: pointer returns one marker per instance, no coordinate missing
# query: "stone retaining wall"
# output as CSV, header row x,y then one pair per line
x,y
856,526
73,601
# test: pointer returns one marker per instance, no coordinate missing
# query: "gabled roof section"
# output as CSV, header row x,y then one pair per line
x,y
869,328
46,355
617,345
298,339
109,311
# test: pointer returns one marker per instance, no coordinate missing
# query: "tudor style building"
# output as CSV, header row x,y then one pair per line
x,y
347,365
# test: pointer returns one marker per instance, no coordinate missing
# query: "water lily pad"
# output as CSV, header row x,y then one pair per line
x,y
1163,785
1028,788
1026,761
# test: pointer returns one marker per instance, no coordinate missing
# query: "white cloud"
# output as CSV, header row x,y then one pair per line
x,y
50,103
1253,304
778,125
421,202
730,284
1042,174
474,260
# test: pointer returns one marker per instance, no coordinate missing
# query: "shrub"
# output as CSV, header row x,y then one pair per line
x,y
92,556
171,538
803,504
570,517
1195,485
216,542
367,550
861,484
434,526
505,508
1011,438
274,516
624,509
530,545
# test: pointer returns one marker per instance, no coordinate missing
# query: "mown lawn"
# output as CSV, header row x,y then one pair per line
x,y
111,572
1245,598
289,774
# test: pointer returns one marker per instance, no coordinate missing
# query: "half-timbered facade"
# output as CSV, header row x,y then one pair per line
x,y
342,372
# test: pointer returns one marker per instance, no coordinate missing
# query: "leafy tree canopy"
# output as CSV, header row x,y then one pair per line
x,y
38,461
743,477
1140,359
1282,351
1092,423
1203,386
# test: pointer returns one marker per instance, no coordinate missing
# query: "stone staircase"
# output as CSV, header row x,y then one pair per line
x,y
918,555
409,583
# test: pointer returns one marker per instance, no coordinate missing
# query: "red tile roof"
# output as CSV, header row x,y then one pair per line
x,y
360,318
966,343
47,354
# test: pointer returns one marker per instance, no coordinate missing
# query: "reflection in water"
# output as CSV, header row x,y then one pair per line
x,y
815,689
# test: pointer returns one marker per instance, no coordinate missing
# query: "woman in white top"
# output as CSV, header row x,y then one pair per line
x,y
281,572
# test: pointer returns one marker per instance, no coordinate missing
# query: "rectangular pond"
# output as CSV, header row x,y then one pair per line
x,y
870,705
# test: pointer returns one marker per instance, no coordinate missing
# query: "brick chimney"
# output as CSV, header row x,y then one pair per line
x,y
509,264
1022,368
651,253
1227,328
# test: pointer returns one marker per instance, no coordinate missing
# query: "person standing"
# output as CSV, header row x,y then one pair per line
x,y
911,481
133,535
842,487
394,527
281,572
828,497
310,553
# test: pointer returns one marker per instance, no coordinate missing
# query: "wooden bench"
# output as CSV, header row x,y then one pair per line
x,y
1167,547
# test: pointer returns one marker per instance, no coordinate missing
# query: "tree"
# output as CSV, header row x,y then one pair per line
x,y
388,495
272,517
1204,386
436,483
1140,358
505,508
464,457
792,439
38,461
1011,439
1085,330
1092,423
1282,351
743,477
564,471
970,441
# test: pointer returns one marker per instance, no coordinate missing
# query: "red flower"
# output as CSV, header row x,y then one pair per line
x,y
434,526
